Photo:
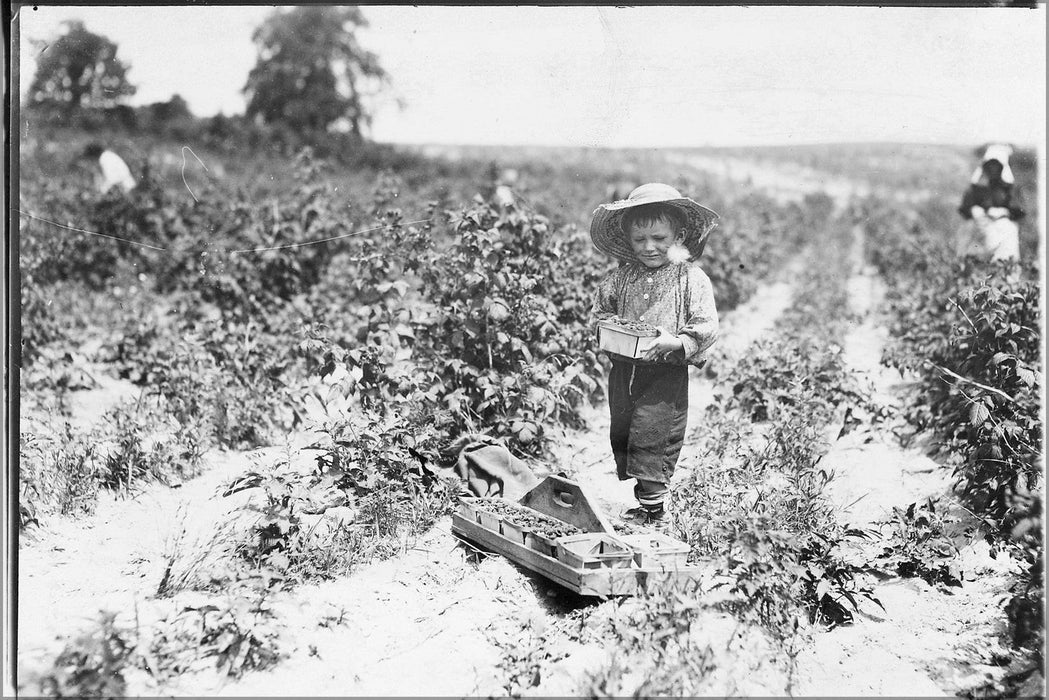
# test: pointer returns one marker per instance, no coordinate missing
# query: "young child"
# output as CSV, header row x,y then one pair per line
x,y
657,234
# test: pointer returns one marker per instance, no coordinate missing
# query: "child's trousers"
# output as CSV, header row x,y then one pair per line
x,y
649,408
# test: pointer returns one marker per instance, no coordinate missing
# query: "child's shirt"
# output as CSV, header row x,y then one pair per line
x,y
677,297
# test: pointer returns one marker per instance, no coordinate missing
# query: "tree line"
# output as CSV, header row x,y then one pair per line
x,y
311,76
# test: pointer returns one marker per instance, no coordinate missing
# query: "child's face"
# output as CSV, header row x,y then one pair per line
x,y
651,242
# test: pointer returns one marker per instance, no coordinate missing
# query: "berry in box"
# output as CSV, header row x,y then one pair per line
x,y
628,338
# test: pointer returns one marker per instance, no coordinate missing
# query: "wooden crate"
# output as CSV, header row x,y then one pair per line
x,y
598,575
594,550
655,549
603,582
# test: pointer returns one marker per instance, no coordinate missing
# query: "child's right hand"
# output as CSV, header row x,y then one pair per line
x,y
664,344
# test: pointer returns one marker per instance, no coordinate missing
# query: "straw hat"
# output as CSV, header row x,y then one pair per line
x,y
606,230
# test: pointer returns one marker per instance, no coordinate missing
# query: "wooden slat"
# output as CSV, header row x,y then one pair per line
x,y
595,582
527,557
568,502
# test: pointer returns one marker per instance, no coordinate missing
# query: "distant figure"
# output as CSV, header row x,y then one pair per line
x,y
504,193
993,206
112,171
500,190
619,190
504,196
508,176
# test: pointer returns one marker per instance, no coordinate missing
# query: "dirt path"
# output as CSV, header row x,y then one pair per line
x,y
430,621
430,618
929,640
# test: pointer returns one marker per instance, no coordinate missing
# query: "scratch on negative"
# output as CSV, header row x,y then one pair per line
x,y
184,149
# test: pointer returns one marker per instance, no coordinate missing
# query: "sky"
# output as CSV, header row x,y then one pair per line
x,y
644,76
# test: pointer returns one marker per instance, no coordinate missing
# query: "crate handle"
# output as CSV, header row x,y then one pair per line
x,y
565,499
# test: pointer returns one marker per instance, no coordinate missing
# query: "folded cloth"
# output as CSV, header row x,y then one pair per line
x,y
487,468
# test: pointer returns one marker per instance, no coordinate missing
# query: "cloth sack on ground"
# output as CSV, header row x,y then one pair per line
x,y
487,468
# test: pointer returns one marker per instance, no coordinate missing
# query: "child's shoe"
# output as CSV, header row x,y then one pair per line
x,y
658,522
654,517
638,514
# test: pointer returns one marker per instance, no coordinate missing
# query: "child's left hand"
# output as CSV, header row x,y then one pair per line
x,y
664,344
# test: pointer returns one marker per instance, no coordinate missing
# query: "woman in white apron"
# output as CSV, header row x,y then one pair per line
x,y
993,206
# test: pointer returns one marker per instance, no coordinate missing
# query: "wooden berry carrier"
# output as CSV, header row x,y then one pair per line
x,y
595,562
623,340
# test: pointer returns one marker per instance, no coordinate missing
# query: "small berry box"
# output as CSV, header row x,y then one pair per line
x,y
594,550
653,549
628,338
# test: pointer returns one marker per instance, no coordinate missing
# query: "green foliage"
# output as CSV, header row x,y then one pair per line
x,y
79,69
969,329
93,664
391,340
145,444
369,491
504,356
524,654
311,70
1026,606
236,635
656,640
58,473
755,502
753,239
776,574
919,545
212,376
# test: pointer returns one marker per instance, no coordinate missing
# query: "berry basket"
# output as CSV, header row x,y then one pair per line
x,y
594,550
557,530
627,338
654,549
541,543
515,532
486,519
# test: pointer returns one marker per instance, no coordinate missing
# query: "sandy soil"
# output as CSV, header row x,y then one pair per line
x,y
928,641
429,622
403,616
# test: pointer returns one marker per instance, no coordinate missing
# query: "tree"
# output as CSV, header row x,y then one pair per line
x,y
175,109
79,70
311,72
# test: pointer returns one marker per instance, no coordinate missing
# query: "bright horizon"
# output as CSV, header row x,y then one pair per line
x,y
627,77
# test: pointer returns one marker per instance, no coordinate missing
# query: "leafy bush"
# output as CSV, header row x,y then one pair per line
x,y
93,664
369,492
524,654
971,332
238,634
969,329
657,647
920,546
226,376
144,444
58,473
504,355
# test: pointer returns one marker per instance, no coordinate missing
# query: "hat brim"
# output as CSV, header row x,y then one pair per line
x,y
606,229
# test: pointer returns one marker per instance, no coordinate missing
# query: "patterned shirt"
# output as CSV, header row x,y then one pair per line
x,y
677,297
